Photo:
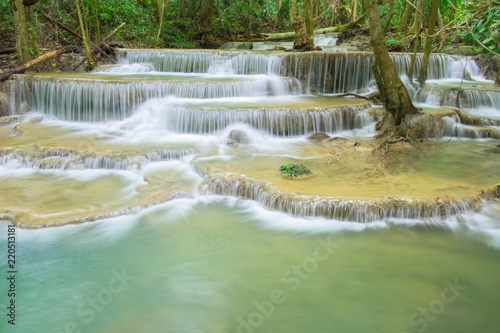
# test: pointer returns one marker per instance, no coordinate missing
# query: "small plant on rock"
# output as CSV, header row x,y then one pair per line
x,y
294,170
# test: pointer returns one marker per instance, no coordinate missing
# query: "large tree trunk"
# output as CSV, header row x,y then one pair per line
x,y
86,42
392,90
422,77
208,36
22,38
302,22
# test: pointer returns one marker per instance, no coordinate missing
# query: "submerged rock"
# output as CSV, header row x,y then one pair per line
x,y
238,137
493,150
318,137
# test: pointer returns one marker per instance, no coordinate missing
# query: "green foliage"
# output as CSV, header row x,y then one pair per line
x,y
6,16
399,40
294,170
486,26
180,34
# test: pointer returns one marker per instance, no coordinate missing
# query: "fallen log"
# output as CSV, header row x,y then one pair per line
x,y
8,50
341,28
44,57
291,35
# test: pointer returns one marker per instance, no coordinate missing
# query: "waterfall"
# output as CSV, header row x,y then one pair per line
x,y
66,159
319,72
468,98
280,122
98,100
357,210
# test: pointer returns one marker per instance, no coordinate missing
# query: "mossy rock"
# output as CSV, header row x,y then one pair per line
x,y
244,46
294,170
463,50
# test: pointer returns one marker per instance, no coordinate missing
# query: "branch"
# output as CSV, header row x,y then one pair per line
x,y
415,8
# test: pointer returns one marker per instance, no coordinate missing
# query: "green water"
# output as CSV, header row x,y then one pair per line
x,y
214,264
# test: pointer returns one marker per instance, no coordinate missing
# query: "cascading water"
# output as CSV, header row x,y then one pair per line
x,y
181,175
99,100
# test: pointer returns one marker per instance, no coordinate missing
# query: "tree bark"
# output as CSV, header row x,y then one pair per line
x,y
35,47
44,57
21,28
417,21
406,15
394,95
498,76
86,42
422,77
302,22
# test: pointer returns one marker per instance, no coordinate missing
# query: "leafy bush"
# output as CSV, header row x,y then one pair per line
x,y
486,26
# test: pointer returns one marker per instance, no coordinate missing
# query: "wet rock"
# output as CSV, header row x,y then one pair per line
x,y
4,103
318,137
238,137
463,50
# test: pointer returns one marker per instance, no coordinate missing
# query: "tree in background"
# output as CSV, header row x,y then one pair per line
x,y
21,28
301,20
86,41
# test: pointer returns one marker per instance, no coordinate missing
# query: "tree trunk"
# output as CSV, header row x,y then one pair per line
x,y
442,34
208,36
394,95
414,57
354,10
22,38
95,10
303,24
35,47
86,42
406,15
498,76
422,77
417,21
390,14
